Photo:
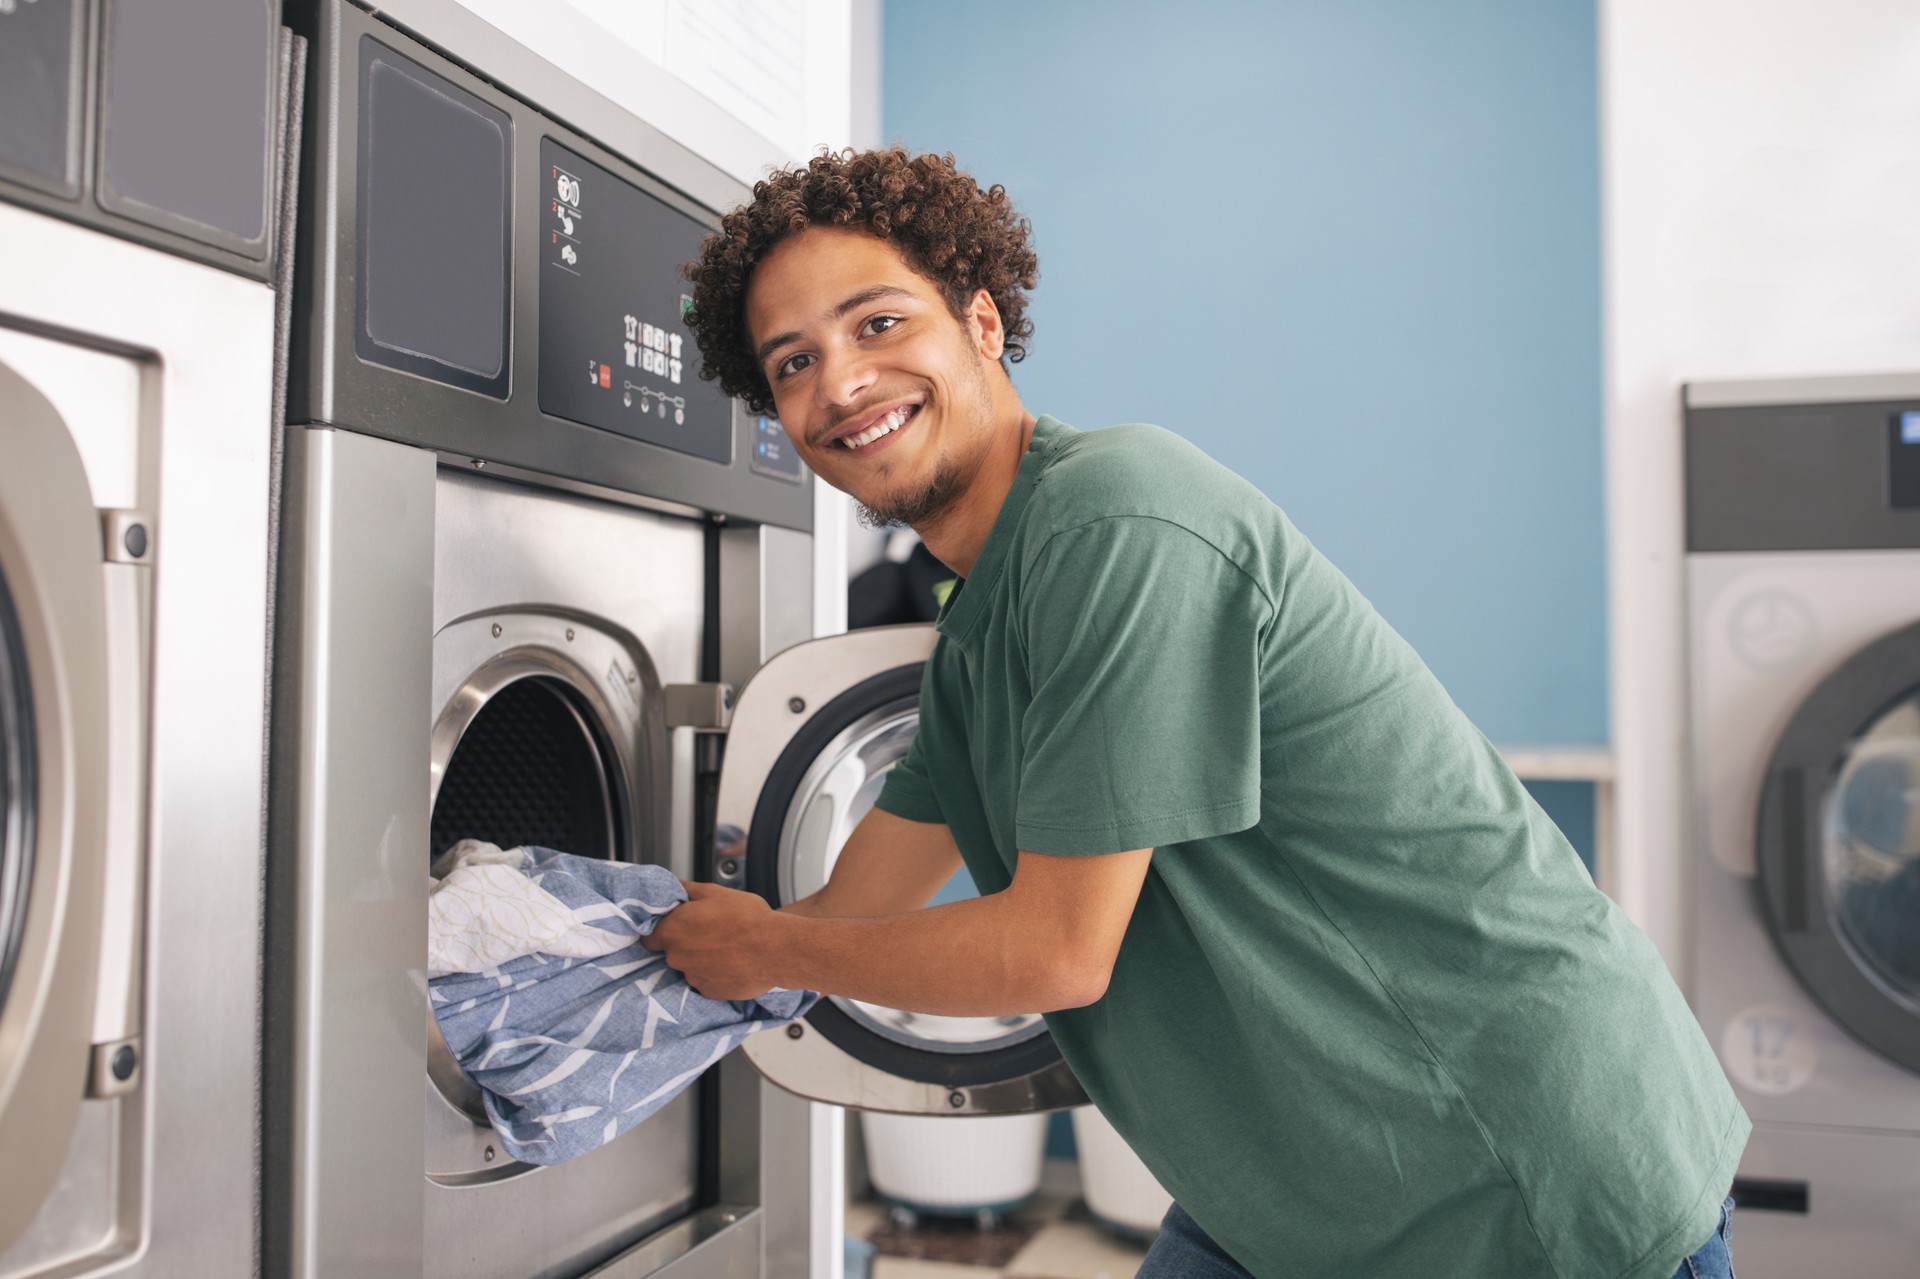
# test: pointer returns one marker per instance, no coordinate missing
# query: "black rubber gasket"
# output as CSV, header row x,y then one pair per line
x,y
1792,885
19,784
949,1070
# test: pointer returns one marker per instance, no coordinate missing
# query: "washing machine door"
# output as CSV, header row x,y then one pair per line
x,y
1839,845
53,727
813,736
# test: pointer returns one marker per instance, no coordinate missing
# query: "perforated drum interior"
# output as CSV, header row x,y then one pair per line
x,y
531,769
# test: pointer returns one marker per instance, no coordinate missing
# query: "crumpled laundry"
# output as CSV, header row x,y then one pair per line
x,y
571,1028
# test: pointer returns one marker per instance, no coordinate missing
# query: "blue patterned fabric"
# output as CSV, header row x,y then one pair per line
x,y
570,1053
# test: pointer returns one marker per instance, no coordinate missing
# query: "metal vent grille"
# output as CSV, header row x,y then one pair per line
x,y
528,770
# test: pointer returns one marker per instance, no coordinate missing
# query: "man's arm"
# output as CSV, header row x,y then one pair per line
x,y
888,865
1047,942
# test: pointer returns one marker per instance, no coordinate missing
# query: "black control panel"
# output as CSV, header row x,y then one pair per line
x,y
1819,476
616,348
475,277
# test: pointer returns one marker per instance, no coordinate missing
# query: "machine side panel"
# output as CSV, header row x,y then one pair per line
x,y
348,871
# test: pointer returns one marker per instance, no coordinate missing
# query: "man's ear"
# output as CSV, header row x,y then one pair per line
x,y
990,336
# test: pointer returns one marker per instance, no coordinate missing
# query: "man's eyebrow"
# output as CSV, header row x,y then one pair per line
x,y
853,303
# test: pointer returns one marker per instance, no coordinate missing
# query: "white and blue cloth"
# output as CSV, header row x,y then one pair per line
x,y
572,1029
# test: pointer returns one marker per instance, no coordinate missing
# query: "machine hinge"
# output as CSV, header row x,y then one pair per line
x,y
128,536
114,1069
706,707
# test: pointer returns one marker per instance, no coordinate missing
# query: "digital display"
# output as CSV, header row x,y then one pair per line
x,y
1903,461
773,453
616,350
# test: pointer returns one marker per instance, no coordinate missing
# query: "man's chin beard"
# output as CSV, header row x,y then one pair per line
x,y
917,507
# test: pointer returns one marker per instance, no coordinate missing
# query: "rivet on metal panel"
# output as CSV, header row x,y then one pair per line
x,y
797,704
796,1030
488,1156
496,630
569,635
729,868
957,1099
479,464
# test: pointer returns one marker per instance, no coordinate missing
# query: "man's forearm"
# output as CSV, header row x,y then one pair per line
x,y
965,959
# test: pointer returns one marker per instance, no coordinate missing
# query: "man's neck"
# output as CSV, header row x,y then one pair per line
x,y
957,534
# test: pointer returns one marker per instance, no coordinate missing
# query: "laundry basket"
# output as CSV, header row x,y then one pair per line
x,y
1121,1194
970,1164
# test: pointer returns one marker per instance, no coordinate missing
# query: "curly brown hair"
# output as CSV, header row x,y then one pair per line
x,y
959,237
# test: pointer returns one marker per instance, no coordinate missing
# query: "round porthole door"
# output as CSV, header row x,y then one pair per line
x,y
53,782
1839,845
813,736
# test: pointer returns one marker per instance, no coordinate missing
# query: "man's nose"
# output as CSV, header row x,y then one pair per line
x,y
845,376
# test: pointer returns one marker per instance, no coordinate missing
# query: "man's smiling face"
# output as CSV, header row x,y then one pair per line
x,y
886,395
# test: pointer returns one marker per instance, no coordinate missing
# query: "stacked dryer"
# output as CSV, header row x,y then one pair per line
x,y
140,188
1803,585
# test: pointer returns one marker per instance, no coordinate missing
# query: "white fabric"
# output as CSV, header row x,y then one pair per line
x,y
484,911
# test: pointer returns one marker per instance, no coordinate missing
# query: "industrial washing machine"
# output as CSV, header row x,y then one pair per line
x,y
528,557
138,241
1803,610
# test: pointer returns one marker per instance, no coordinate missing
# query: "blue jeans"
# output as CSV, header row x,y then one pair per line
x,y
1183,1251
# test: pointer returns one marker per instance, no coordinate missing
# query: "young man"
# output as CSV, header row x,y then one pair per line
x,y
1301,934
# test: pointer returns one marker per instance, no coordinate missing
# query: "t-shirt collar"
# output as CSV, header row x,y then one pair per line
x,y
969,594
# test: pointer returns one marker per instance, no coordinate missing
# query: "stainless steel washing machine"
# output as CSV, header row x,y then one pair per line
x,y
528,557
137,329
1803,585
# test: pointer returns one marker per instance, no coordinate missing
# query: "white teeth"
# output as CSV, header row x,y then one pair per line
x,y
891,422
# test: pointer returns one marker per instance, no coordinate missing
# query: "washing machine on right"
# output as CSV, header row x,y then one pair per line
x,y
1803,619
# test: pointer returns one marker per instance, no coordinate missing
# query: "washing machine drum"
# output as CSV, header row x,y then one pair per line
x,y
531,769
1838,850
1872,850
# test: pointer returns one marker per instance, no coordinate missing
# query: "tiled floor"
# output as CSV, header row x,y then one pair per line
x,y
1051,1238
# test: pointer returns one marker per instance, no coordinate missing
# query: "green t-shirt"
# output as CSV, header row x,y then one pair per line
x,y
1370,1016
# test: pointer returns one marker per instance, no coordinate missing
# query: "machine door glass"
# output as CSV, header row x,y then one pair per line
x,y
16,787
1839,845
813,738
53,729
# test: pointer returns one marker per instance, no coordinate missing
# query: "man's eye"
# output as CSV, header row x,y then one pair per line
x,y
881,323
792,364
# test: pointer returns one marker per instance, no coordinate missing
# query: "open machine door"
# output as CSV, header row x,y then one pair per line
x,y
1839,845
53,793
813,736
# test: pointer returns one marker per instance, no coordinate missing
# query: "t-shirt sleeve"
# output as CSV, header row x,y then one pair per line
x,y
1143,645
908,790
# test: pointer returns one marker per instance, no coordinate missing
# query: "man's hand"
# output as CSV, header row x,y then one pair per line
x,y
715,940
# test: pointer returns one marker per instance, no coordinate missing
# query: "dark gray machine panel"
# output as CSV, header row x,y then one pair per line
x,y
435,190
418,372
160,122
187,117
42,73
615,348
1803,477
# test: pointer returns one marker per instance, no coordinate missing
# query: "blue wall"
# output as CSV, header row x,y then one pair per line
x,y
1350,248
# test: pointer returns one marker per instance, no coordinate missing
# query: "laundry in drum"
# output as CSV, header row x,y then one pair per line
x,y
571,1028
